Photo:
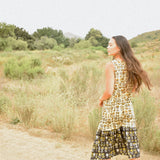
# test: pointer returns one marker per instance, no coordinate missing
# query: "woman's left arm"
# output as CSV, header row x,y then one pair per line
x,y
109,77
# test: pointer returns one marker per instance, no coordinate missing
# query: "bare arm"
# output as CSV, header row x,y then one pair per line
x,y
109,76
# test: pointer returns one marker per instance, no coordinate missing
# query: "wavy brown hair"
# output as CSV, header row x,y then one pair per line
x,y
136,74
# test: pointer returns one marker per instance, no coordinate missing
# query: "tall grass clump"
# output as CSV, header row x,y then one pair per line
x,y
25,68
146,112
81,86
4,104
63,120
25,114
94,119
79,91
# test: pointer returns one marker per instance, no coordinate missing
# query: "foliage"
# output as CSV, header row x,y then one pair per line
x,y
31,45
72,42
83,44
146,37
22,34
19,45
12,44
23,68
93,41
100,48
45,43
6,30
94,33
50,33
133,44
16,44
96,38
3,44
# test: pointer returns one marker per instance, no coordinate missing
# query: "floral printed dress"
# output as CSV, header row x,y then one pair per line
x,y
117,133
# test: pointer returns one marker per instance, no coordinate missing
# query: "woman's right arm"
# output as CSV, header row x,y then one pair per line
x,y
109,84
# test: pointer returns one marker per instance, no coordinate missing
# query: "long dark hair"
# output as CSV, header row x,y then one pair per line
x,y
136,74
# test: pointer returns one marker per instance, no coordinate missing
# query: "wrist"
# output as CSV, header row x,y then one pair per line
x,y
101,99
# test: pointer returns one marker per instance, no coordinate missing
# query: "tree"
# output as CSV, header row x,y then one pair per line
x,y
94,33
50,33
96,38
104,42
66,42
21,33
93,41
6,30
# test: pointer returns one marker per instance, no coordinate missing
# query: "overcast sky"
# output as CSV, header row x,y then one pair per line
x,y
111,17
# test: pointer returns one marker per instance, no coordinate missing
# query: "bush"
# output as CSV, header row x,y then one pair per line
x,y
12,44
133,44
3,44
93,41
23,68
45,43
83,44
19,45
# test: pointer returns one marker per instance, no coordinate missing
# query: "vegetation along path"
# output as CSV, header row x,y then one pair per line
x,y
35,144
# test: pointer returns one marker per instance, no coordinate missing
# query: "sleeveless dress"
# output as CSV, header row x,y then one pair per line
x,y
117,133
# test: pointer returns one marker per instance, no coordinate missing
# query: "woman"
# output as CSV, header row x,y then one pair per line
x,y
116,132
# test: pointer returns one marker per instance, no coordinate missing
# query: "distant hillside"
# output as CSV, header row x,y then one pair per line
x,y
71,35
147,36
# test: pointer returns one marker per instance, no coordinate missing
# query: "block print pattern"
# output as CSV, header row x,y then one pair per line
x,y
116,133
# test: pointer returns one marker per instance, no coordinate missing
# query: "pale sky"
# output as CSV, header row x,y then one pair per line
x,y
112,17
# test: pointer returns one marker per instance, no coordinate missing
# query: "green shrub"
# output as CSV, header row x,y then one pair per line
x,y
45,43
93,41
133,44
3,44
83,44
20,45
23,68
16,44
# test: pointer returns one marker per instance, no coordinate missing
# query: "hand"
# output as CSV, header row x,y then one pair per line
x,y
100,102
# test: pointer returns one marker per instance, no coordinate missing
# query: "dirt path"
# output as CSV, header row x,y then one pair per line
x,y
17,144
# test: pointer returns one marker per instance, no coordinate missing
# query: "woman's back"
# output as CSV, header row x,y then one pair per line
x,y
118,109
122,90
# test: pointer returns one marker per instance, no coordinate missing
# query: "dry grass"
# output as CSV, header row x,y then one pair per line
x,y
63,99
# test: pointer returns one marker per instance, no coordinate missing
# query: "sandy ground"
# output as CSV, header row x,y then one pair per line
x,y
33,144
